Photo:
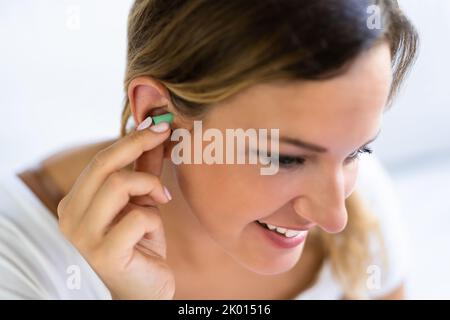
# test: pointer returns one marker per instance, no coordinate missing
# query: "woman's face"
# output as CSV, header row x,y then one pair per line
x,y
339,114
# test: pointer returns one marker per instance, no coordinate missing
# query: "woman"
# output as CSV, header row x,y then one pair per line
x,y
128,223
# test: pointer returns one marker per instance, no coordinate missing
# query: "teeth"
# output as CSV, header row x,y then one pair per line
x,y
292,233
286,232
281,230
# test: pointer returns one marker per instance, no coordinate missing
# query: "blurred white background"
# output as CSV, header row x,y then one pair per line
x,y
61,72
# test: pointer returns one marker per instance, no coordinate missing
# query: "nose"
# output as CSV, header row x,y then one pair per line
x,y
323,201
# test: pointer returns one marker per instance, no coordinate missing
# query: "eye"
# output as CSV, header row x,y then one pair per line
x,y
355,155
284,161
290,161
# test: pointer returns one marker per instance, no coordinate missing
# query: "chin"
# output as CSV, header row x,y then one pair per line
x,y
270,263
274,268
262,253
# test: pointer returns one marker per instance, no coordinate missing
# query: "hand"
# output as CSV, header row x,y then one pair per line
x,y
110,216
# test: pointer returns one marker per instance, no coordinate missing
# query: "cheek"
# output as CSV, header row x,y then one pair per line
x,y
227,197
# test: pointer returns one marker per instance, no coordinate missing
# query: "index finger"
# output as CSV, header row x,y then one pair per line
x,y
116,156
151,161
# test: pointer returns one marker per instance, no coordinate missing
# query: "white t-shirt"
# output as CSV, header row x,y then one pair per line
x,y
37,262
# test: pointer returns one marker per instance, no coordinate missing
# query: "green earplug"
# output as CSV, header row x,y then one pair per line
x,y
166,117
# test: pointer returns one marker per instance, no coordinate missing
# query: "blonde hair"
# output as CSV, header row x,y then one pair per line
x,y
206,51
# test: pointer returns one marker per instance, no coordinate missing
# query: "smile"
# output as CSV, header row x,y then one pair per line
x,y
283,231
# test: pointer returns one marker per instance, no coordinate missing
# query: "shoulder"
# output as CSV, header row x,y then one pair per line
x,y
377,189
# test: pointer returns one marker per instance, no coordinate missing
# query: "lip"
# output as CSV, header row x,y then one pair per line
x,y
303,228
281,241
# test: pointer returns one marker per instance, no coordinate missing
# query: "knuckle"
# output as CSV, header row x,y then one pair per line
x,y
153,219
99,160
117,179
145,216
153,180
136,137
138,216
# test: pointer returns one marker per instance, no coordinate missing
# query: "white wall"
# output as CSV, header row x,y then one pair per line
x,y
59,85
416,130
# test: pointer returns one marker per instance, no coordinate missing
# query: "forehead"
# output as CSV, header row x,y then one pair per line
x,y
360,92
339,113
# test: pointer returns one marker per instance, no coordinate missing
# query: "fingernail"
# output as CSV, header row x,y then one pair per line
x,y
166,191
145,124
160,127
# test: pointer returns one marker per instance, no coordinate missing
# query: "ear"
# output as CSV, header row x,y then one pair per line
x,y
147,97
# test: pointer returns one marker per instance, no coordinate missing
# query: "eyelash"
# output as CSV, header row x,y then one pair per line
x,y
298,161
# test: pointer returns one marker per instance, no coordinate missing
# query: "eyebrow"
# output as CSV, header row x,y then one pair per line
x,y
314,147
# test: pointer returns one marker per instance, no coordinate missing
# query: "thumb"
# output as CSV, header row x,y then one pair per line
x,y
151,162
